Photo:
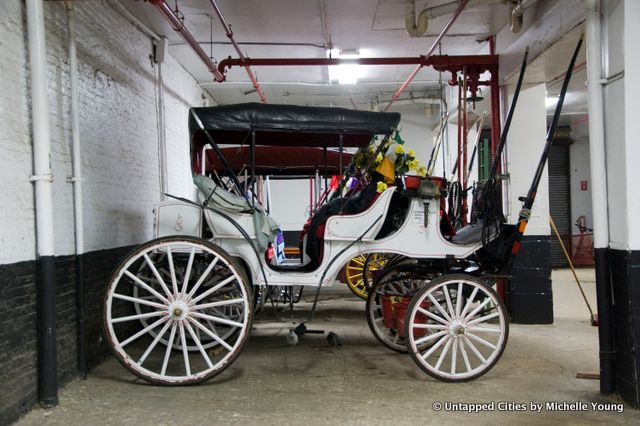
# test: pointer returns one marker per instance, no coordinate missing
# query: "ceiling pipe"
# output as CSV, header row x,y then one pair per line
x,y
243,59
422,61
179,27
415,29
462,4
517,15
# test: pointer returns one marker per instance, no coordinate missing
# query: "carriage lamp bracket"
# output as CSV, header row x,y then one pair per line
x,y
428,190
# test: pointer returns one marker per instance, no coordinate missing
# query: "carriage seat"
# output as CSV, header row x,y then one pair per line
x,y
471,234
253,220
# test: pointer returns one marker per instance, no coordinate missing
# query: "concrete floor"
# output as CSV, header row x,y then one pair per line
x,y
360,382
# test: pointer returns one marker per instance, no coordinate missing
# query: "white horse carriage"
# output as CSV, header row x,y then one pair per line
x,y
179,309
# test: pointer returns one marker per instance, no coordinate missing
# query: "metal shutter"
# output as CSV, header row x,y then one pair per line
x,y
559,199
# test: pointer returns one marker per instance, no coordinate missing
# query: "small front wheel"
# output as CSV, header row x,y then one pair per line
x,y
177,310
456,328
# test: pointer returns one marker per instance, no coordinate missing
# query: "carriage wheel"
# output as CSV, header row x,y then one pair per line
x,y
399,283
466,334
372,268
358,279
191,295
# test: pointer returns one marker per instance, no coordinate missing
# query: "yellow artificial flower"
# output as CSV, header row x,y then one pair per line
x,y
381,187
399,150
411,153
413,164
422,171
379,158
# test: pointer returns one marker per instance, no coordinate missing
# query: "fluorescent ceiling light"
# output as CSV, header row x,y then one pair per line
x,y
550,101
347,73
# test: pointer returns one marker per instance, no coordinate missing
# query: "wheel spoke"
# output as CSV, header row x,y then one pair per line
x,y
474,349
211,334
214,288
217,319
430,326
146,287
185,352
478,309
481,340
454,355
396,338
439,307
139,300
444,339
167,352
484,318
157,274
469,302
172,270
458,300
143,331
465,357
485,329
216,304
430,337
187,274
154,343
196,339
433,316
443,355
138,316
204,276
447,297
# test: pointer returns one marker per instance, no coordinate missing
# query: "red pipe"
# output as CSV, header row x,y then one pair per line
x,y
177,25
243,59
495,103
439,61
444,31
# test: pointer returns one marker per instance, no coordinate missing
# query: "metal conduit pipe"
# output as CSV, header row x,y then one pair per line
x,y
177,25
599,203
229,34
421,61
76,180
462,4
43,180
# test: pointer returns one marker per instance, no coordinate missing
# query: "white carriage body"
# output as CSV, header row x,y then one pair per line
x,y
345,237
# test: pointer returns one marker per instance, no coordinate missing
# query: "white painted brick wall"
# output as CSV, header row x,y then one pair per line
x,y
118,126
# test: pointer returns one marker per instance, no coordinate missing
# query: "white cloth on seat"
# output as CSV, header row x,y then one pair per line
x,y
266,228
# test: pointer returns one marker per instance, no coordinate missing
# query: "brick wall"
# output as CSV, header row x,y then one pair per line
x,y
118,88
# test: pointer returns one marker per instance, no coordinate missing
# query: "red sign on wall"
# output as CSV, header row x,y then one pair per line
x,y
583,185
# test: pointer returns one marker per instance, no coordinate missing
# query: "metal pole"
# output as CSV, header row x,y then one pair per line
x,y
599,196
76,180
229,33
47,357
445,30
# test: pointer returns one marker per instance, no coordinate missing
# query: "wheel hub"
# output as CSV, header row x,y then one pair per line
x,y
457,328
178,310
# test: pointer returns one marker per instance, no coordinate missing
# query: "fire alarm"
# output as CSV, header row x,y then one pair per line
x,y
583,185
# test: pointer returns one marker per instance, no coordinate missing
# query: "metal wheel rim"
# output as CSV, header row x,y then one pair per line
x,y
398,282
179,310
464,340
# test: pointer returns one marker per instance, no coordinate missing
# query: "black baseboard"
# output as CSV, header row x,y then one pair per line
x,y
625,281
529,295
19,325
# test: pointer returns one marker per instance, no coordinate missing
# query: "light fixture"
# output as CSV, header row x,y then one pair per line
x,y
345,73
550,101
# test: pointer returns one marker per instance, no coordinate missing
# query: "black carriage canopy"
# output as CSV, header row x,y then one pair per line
x,y
289,125
280,161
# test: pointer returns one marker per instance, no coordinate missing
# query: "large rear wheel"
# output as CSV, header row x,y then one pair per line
x,y
177,310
